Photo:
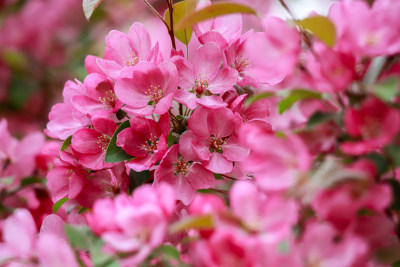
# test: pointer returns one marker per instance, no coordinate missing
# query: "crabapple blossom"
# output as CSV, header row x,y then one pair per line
x,y
179,169
148,88
91,144
203,80
145,141
213,139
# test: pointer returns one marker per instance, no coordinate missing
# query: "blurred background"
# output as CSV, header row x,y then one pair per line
x,y
43,43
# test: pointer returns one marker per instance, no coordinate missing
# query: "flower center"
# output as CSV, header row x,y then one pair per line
x,y
109,98
240,64
155,93
181,166
371,128
130,60
216,143
151,145
102,142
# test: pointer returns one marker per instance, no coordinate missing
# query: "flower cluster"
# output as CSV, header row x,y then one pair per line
x,y
271,148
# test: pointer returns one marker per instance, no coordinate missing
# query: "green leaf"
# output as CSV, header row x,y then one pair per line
x,y
255,98
58,204
79,236
115,153
387,89
66,143
394,154
322,27
395,186
180,9
380,162
218,176
136,179
169,252
120,114
319,118
31,180
212,11
295,96
201,222
171,140
89,6
374,70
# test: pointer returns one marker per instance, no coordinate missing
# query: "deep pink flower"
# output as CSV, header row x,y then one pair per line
x,y
211,136
98,97
257,111
106,183
67,178
91,144
202,81
178,169
144,140
374,123
273,54
148,88
126,50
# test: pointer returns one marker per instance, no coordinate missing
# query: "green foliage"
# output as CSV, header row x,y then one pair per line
x,y
257,97
295,96
89,7
115,153
58,204
322,27
387,89
319,118
180,9
66,143
136,179
212,11
201,222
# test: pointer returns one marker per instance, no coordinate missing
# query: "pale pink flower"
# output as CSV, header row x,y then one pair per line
x,y
126,50
272,54
276,162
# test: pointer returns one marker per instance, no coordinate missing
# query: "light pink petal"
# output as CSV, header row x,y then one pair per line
x,y
86,141
140,40
212,101
199,177
234,151
208,60
130,92
186,98
53,251
57,182
111,68
164,104
223,81
218,163
118,48
53,224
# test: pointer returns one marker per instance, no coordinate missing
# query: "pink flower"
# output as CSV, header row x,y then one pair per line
x,y
277,163
178,169
203,80
64,119
67,178
323,245
98,97
271,214
257,111
273,54
212,138
106,183
91,144
221,30
375,124
148,88
135,224
126,50
17,158
144,140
